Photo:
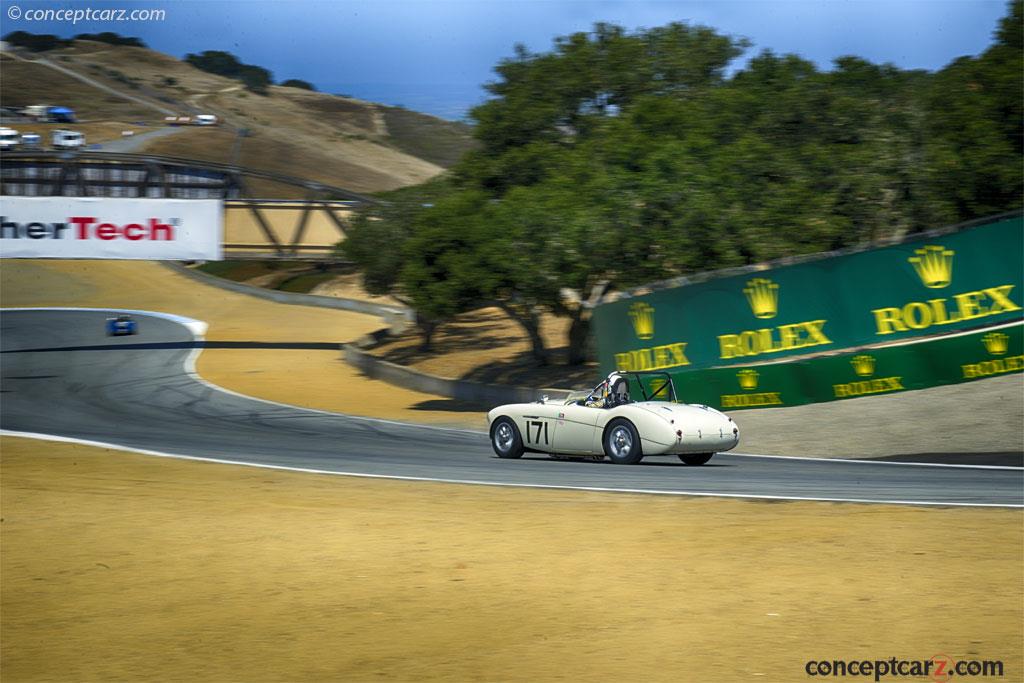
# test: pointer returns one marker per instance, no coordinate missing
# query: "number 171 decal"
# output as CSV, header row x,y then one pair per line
x,y
542,427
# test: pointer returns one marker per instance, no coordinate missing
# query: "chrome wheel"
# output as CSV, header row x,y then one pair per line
x,y
505,438
621,442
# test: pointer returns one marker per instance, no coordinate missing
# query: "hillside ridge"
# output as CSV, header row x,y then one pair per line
x,y
337,140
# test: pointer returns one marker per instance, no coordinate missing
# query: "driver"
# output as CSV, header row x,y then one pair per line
x,y
611,392
598,396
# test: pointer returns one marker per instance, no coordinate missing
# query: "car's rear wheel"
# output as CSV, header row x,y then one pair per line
x,y
505,438
696,458
622,443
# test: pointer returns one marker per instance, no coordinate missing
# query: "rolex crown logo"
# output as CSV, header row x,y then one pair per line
x,y
747,378
642,315
934,265
996,343
863,365
763,295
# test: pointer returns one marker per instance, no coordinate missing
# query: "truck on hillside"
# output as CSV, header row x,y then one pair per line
x,y
197,120
67,139
46,112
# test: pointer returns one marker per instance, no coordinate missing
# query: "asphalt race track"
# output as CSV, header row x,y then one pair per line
x,y
62,376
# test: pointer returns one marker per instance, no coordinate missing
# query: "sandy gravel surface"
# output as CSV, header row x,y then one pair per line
x,y
126,567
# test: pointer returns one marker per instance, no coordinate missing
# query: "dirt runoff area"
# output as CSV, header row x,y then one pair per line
x,y
127,567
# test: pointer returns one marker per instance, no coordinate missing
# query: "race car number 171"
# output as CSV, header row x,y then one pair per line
x,y
541,427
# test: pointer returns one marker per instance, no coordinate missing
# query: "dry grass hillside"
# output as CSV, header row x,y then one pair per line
x,y
337,140
24,83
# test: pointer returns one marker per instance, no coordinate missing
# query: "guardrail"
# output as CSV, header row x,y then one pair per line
x,y
460,390
397,318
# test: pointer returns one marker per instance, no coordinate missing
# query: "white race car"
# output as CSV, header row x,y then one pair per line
x,y
607,422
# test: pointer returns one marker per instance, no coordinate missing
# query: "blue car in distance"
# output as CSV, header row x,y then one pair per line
x,y
121,326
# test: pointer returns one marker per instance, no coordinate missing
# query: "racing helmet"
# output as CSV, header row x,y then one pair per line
x,y
618,389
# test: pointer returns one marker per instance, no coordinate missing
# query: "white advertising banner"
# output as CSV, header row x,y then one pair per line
x,y
111,228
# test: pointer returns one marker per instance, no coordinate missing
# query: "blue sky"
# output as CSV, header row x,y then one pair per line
x,y
434,55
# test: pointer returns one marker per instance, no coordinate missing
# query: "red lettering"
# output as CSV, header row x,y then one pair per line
x,y
82,222
165,228
106,231
134,231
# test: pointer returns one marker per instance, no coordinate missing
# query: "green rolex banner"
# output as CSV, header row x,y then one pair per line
x,y
885,300
948,359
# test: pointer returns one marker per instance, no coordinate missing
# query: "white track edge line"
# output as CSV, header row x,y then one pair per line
x,y
861,461
441,480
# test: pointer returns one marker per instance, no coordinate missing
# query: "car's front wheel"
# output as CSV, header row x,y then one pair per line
x,y
622,443
505,438
696,459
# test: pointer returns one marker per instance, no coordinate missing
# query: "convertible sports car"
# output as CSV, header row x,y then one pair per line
x,y
121,325
607,422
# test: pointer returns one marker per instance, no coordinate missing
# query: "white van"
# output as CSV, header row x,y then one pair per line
x,y
9,138
205,120
67,139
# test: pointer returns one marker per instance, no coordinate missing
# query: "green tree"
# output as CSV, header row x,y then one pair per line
x,y
41,42
620,158
216,62
255,78
379,243
974,138
111,38
297,83
441,275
